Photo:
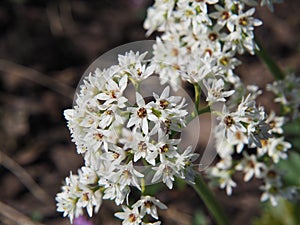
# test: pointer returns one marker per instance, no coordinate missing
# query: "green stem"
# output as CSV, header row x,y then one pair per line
x,y
210,201
198,111
197,96
197,90
204,110
269,62
200,187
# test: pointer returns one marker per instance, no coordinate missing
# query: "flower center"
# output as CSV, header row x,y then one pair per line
x,y
213,36
272,124
209,51
216,94
250,164
238,135
116,155
243,21
109,112
127,174
175,52
271,174
165,148
225,15
163,103
139,72
224,61
142,112
279,147
148,204
98,136
85,197
228,120
264,142
113,94
132,218
142,146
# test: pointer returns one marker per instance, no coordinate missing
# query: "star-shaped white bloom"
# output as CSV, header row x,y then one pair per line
x,y
140,115
129,216
148,205
215,92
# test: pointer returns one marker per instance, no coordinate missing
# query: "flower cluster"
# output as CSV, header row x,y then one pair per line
x,y
129,140
123,143
256,142
199,44
287,93
200,38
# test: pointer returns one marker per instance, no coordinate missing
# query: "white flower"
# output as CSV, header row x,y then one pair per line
x,y
87,175
224,147
142,147
113,191
273,187
166,170
270,193
224,179
243,22
148,205
239,139
226,63
98,139
135,66
113,93
199,68
66,200
169,111
263,149
129,216
165,146
130,59
192,15
126,176
287,93
230,123
159,16
221,14
251,167
215,91
185,159
75,196
88,199
277,148
168,56
114,156
140,115
275,123
225,163
110,115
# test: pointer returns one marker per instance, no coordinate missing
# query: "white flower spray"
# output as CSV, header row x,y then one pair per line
x,y
125,143
115,135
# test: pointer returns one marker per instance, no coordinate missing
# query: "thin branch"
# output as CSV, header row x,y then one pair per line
x,y
16,216
35,76
55,23
67,19
25,178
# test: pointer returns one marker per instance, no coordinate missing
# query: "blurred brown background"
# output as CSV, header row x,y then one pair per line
x,y
45,47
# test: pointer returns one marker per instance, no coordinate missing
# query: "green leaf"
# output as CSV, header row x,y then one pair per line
x,y
291,168
199,218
